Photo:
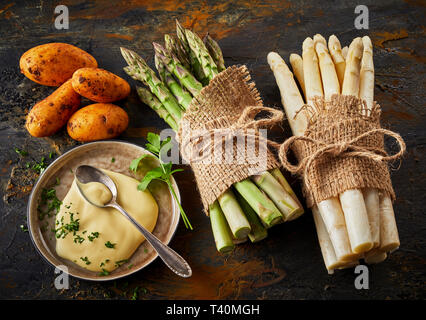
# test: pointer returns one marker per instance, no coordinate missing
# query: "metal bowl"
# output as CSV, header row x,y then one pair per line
x,y
98,154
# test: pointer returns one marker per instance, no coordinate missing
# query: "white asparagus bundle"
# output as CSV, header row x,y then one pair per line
x,y
358,220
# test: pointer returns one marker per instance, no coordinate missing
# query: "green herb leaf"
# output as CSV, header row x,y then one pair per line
x,y
22,153
154,142
164,172
24,228
93,236
121,262
112,160
134,165
85,260
135,294
150,175
108,244
103,273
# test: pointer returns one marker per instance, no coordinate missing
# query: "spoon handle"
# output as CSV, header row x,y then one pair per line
x,y
173,260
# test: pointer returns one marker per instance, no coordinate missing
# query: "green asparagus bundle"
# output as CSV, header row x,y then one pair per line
x,y
185,66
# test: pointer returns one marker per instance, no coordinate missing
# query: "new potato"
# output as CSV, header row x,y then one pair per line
x,y
100,85
97,122
52,64
52,113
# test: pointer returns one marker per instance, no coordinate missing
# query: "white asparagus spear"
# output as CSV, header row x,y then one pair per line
x,y
367,93
297,66
389,238
336,54
330,260
290,95
366,85
371,198
319,39
352,200
333,217
375,256
330,81
311,73
345,52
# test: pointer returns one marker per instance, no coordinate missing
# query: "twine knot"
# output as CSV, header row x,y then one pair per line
x,y
341,149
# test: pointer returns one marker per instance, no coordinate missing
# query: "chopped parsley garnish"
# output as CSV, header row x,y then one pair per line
x,y
64,229
110,245
85,260
78,239
22,153
130,266
145,250
103,273
112,160
103,263
121,262
39,167
48,198
135,294
93,236
24,228
52,154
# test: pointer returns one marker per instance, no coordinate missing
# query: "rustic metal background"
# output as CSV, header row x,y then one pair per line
x,y
288,264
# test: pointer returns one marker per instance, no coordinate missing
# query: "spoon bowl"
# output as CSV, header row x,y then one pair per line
x,y
85,174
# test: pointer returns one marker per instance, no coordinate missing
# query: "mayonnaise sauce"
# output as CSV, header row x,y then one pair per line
x,y
100,226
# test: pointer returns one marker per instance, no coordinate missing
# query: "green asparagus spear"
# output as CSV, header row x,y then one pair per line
x,y
175,67
264,207
145,74
195,64
175,47
282,180
182,96
221,232
281,198
202,54
215,52
237,221
258,231
149,99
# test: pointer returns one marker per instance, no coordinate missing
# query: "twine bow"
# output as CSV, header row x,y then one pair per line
x,y
342,149
191,146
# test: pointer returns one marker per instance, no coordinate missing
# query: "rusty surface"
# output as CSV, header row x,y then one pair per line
x,y
288,264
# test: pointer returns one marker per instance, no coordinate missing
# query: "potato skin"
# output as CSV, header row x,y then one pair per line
x,y
100,85
52,113
97,121
52,64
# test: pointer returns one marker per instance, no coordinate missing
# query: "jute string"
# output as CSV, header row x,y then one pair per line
x,y
342,149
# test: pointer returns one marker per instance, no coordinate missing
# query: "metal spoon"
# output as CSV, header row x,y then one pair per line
x,y
175,262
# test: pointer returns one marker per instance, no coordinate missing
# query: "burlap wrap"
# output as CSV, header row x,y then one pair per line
x,y
342,149
229,104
